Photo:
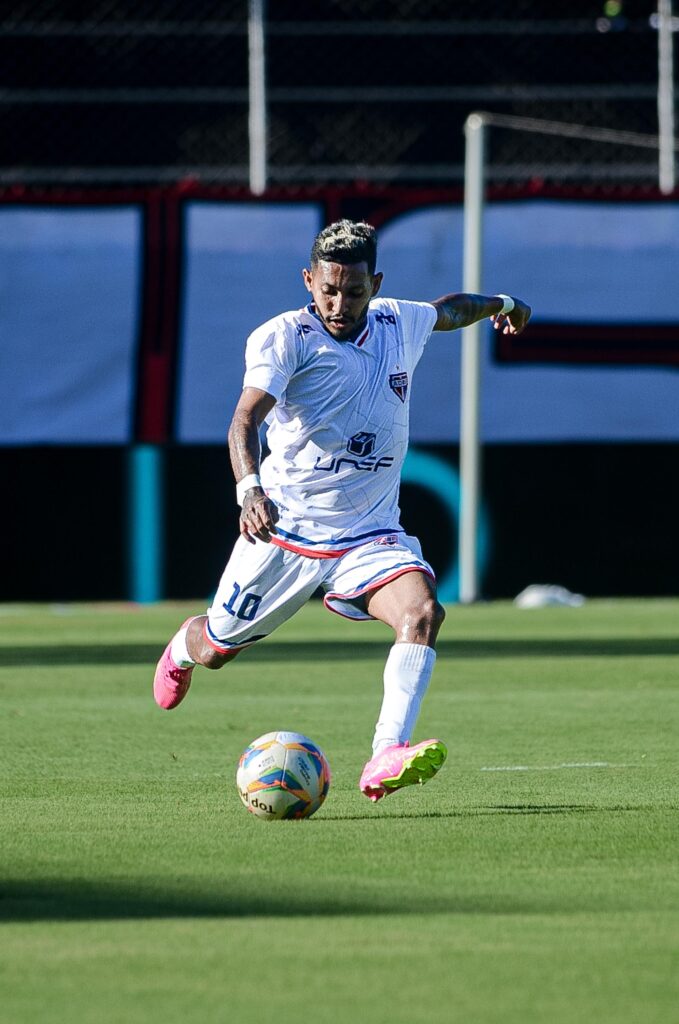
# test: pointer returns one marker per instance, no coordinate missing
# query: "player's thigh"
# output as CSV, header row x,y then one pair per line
x,y
383,565
262,586
409,605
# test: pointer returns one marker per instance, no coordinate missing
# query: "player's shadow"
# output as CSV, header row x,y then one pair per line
x,y
330,650
483,811
84,900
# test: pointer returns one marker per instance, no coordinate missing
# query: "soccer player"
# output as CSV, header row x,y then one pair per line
x,y
332,382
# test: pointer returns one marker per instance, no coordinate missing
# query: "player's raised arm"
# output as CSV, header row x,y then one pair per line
x,y
508,314
259,515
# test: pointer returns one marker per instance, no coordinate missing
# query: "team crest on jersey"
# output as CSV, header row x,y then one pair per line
x,y
398,382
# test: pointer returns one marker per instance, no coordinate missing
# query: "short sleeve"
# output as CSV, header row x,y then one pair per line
x,y
417,323
270,359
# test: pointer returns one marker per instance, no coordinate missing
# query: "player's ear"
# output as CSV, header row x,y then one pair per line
x,y
306,275
377,283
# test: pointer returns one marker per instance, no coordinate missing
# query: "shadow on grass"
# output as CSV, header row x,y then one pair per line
x,y
82,900
85,900
328,650
478,812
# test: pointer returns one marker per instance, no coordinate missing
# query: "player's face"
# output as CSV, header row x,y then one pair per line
x,y
341,293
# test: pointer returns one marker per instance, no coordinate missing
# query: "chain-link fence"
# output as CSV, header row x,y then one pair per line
x,y
115,91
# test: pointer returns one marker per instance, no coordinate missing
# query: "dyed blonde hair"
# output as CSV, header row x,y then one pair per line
x,y
346,241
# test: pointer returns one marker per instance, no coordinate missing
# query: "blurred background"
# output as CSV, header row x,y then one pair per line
x,y
163,170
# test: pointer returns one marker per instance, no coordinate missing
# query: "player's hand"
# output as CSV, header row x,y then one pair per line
x,y
514,322
258,517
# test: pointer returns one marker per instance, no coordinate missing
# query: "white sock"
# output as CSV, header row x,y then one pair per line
x,y
179,651
406,678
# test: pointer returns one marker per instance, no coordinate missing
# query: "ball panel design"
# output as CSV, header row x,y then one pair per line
x,y
282,775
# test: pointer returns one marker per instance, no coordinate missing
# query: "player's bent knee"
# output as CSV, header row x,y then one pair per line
x,y
439,614
432,614
421,622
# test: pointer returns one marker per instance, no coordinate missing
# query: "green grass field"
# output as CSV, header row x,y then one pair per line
x,y
536,879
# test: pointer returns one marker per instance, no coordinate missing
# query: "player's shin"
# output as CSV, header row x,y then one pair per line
x,y
406,678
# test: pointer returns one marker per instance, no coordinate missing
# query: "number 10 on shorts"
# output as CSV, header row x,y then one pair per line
x,y
249,604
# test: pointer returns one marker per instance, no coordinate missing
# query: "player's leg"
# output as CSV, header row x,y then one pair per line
x,y
262,586
392,583
408,604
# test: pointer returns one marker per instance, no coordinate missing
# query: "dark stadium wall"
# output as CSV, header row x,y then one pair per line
x,y
599,519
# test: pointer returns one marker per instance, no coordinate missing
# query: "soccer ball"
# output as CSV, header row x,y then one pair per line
x,y
282,775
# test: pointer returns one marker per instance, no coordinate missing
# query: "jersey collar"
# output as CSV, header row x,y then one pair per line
x,y
359,341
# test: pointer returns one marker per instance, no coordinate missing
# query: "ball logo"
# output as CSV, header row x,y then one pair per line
x,y
257,804
304,771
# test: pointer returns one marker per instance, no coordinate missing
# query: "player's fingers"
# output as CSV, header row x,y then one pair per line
x,y
267,514
254,526
245,533
257,523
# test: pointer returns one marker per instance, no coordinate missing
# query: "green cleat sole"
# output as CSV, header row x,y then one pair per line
x,y
420,768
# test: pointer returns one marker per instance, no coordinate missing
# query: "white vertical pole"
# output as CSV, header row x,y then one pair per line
x,y
257,96
666,170
470,448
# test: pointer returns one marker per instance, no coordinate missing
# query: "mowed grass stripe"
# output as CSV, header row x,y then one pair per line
x,y
136,888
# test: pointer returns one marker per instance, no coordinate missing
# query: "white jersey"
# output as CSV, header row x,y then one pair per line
x,y
338,433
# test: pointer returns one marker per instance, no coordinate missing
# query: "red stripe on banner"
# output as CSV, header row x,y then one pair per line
x,y
159,320
587,344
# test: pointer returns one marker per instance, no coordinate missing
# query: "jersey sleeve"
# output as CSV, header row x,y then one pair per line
x,y
417,323
270,359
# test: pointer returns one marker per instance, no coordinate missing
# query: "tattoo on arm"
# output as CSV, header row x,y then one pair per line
x,y
462,309
244,447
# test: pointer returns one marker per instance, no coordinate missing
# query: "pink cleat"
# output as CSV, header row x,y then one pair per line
x,y
401,765
171,683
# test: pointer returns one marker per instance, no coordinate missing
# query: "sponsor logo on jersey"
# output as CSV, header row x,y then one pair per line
x,y
385,318
362,443
361,446
398,382
303,329
370,465
388,541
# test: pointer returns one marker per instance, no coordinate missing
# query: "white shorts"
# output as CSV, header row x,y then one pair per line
x,y
263,585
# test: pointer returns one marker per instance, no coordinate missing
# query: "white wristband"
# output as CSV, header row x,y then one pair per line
x,y
507,303
251,480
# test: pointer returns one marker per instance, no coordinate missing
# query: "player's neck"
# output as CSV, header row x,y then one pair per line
x,y
354,333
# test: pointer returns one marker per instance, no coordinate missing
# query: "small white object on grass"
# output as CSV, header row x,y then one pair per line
x,y
548,595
